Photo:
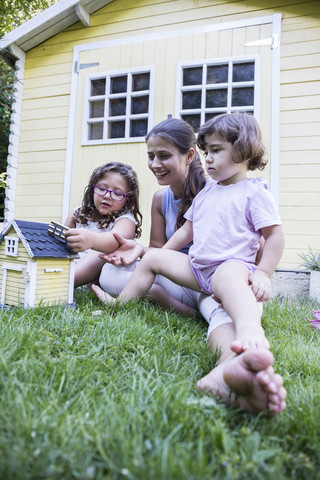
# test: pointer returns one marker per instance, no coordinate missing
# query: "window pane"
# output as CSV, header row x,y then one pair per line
x,y
116,129
140,82
243,72
216,98
191,99
95,131
118,84
98,87
138,128
192,76
213,114
242,96
217,74
140,104
193,120
96,109
117,106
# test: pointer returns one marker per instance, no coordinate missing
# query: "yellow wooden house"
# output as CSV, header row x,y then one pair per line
x,y
35,266
93,76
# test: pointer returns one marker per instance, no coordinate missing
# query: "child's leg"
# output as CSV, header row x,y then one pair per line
x,y
171,264
230,284
88,269
246,380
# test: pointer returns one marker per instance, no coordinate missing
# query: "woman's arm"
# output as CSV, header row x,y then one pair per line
x,y
158,224
80,239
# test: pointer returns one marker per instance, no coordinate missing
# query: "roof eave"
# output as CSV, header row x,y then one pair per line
x,y
48,23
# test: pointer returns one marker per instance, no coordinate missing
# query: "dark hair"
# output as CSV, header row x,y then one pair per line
x,y
88,210
243,131
181,135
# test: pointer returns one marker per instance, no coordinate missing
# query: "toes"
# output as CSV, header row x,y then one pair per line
x,y
99,293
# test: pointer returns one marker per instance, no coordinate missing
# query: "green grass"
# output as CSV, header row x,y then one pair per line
x,y
113,396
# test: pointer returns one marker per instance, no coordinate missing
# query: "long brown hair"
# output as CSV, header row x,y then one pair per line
x,y
88,210
181,135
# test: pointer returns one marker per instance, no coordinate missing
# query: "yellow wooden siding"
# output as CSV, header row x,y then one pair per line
x,y
52,287
45,109
15,288
300,127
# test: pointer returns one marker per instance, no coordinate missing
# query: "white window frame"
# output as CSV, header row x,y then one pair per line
x,y
179,112
11,246
128,116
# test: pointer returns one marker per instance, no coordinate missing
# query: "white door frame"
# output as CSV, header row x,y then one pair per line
x,y
275,20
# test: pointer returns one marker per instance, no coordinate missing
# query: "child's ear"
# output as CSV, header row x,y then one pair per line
x,y
190,155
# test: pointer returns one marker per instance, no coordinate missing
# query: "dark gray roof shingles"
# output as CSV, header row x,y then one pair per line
x,y
41,242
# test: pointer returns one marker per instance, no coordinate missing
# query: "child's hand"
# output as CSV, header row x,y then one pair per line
x,y
79,239
260,285
127,253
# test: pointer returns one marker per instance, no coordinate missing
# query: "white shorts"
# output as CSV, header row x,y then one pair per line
x,y
113,279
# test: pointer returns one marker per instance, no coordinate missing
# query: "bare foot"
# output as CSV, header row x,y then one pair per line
x,y
248,337
103,296
248,382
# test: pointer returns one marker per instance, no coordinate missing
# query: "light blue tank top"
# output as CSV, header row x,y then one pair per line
x,y
170,207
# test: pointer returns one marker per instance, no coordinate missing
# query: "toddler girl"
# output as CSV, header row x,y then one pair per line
x,y
225,222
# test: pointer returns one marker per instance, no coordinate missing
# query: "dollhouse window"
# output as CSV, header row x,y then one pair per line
x,y
118,106
211,88
11,246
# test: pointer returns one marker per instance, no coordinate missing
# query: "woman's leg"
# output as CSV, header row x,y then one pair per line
x,y
113,279
171,296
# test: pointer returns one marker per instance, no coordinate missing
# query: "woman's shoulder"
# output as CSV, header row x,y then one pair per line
x,y
158,198
159,194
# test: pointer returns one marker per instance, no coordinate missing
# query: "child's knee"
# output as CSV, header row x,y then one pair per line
x,y
153,259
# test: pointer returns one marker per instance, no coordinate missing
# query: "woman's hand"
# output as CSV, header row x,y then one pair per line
x,y
79,239
127,253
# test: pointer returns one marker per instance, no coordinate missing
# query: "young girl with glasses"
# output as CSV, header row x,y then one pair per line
x,y
110,205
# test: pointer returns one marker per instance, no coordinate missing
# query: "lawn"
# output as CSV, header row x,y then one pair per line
x,y
112,396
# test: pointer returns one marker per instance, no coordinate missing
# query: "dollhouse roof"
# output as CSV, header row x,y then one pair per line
x,y
38,241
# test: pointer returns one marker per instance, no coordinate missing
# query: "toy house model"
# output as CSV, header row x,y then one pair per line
x,y
35,266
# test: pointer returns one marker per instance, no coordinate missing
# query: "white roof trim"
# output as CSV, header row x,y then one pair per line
x,y
51,21
25,243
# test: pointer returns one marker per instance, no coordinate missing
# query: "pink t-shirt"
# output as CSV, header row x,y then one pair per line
x,y
226,222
